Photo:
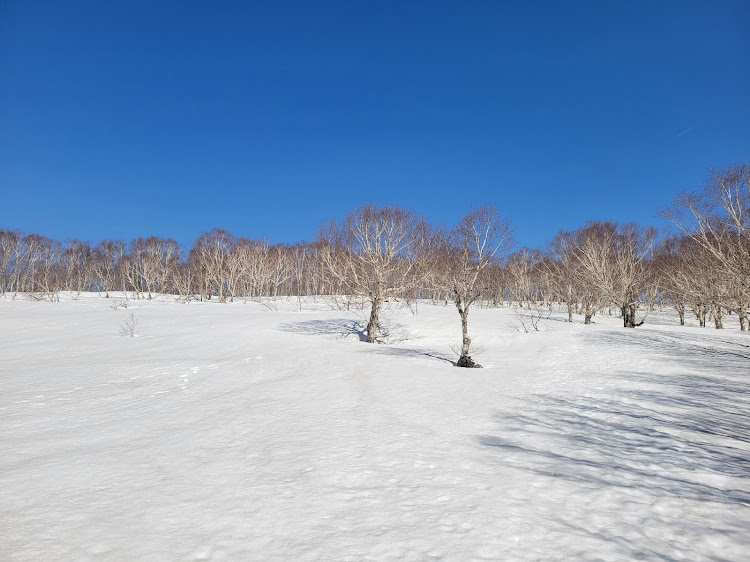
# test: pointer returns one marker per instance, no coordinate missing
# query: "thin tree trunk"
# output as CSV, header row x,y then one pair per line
x,y
700,314
466,340
628,315
681,311
374,323
465,359
718,317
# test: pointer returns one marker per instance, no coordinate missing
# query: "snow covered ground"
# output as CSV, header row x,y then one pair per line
x,y
239,432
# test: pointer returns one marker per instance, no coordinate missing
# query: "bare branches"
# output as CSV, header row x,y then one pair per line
x,y
718,219
478,242
129,327
377,253
380,254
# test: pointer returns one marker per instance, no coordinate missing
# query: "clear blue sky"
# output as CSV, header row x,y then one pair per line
x,y
122,119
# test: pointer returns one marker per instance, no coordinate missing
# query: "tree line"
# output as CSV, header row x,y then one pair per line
x,y
377,254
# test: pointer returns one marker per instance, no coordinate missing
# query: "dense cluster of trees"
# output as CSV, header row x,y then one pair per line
x,y
378,254
707,267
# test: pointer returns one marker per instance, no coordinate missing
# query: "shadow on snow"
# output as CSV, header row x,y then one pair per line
x,y
679,435
338,327
345,327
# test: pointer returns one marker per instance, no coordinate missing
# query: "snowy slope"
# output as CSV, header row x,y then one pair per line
x,y
235,431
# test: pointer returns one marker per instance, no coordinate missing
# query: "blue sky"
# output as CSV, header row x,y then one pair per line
x,y
125,119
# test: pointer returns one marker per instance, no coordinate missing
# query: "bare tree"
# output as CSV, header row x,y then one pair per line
x,y
152,262
476,244
376,254
211,255
669,265
633,280
10,242
250,266
76,265
521,271
106,263
185,280
611,266
710,289
562,270
583,268
718,218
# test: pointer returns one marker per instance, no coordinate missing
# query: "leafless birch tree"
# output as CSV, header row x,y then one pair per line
x,y
376,253
718,218
476,244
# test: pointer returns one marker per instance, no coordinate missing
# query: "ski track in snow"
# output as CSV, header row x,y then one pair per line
x,y
228,432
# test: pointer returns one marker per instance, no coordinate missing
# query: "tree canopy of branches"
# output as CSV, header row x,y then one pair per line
x,y
606,262
377,253
474,245
717,220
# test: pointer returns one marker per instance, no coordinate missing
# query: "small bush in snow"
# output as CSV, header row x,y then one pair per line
x,y
531,319
118,304
128,328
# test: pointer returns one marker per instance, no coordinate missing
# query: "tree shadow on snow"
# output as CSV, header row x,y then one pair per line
x,y
339,327
344,327
679,435
408,353
709,350
610,443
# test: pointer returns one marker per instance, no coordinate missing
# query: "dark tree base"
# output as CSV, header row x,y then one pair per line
x,y
468,362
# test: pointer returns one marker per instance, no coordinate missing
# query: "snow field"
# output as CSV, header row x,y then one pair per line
x,y
235,431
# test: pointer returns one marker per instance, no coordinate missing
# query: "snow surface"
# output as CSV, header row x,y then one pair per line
x,y
249,432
